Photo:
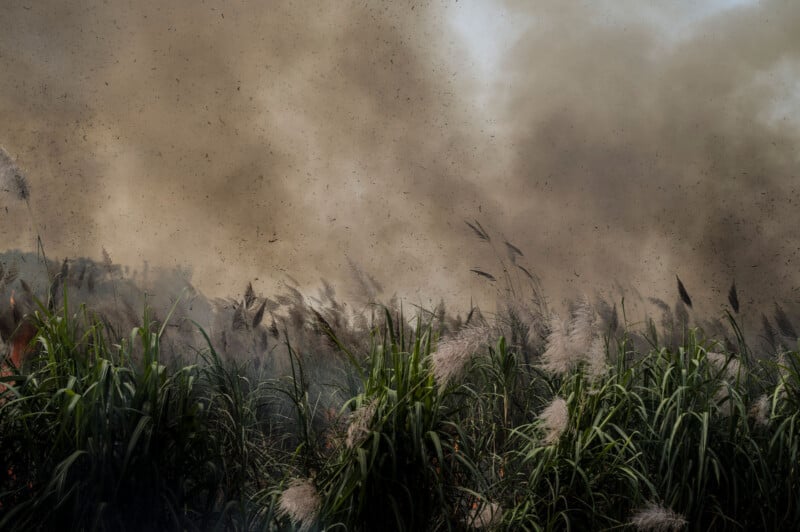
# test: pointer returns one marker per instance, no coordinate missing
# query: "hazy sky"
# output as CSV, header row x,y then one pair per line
x,y
622,140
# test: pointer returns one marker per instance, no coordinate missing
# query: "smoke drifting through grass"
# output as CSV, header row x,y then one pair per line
x,y
324,130
503,444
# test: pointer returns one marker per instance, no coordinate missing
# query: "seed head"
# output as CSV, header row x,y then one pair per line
x,y
656,518
360,421
484,515
558,357
453,354
760,411
301,503
554,420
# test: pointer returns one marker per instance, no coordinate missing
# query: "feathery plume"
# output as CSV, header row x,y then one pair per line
x,y
360,421
582,327
570,343
301,503
656,518
485,515
453,354
554,420
760,411
596,358
558,357
728,370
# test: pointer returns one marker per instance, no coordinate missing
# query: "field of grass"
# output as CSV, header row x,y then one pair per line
x,y
383,421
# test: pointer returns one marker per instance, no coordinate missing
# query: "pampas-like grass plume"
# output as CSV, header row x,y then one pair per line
x,y
760,411
554,420
558,357
582,326
301,503
484,515
596,357
573,342
656,518
453,354
360,420
728,370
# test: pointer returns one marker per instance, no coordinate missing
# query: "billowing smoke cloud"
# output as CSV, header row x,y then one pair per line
x,y
256,140
646,144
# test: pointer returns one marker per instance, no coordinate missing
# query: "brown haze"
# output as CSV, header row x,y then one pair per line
x,y
265,139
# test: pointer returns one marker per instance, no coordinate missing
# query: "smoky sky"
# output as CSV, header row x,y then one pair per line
x,y
259,140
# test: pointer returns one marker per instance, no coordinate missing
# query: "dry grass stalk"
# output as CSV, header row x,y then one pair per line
x,y
656,518
301,503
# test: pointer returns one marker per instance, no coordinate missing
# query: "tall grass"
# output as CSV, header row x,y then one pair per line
x,y
400,424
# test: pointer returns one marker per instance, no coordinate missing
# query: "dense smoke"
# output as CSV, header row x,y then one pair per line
x,y
257,140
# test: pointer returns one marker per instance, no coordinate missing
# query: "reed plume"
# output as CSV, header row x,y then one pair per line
x,y
360,421
555,419
656,518
760,411
453,354
570,343
301,503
